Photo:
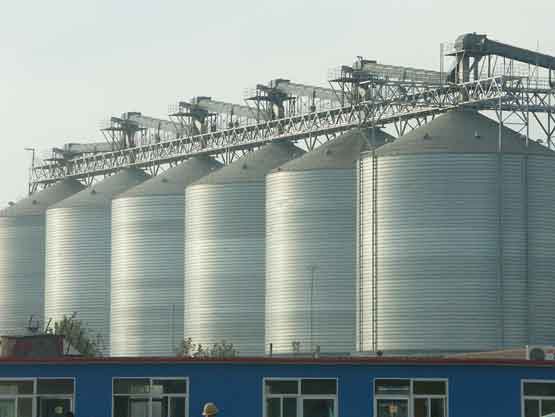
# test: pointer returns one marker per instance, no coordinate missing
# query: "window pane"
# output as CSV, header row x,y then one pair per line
x,y
392,386
24,407
169,386
7,408
157,407
121,406
318,386
289,407
16,387
531,408
53,407
548,407
138,408
393,408
318,408
55,386
165,407
421,407
131,386
177,407
273,407
429,387
539,389
437,407
282,387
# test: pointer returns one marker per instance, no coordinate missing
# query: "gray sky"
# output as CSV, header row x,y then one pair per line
x,y
67,65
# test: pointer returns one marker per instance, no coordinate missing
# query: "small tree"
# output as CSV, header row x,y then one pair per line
x,y
223,350
200,352
186,348
76,335
218,350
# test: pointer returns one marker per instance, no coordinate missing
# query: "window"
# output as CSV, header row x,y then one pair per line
x,y
410,398
539,398
150,397
300,397
44,397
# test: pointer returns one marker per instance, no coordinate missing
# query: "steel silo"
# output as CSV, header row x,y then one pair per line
x,y
225,251
310,248
78,255
446,257
147,262
22,257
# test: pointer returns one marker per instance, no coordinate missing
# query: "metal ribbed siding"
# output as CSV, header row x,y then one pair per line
x,y
21,272
541,241
224,265
147,262
515,274
22,248
364,241
78,268
438,270
147,275
78,255
311,225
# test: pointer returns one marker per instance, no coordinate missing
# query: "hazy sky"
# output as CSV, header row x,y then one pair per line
x,y
68,65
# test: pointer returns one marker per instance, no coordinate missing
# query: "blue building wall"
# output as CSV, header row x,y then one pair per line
x,y
475,390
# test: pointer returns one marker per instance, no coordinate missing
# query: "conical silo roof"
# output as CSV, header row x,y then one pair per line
x,y
255,165
339,153
101,194
36,204
461,132
174,180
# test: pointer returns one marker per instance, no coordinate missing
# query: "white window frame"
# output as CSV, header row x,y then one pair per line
x,y
411,396
299,396
149,396
35,395
523,398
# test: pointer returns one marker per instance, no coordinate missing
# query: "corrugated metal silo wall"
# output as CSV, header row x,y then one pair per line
x,y
147,275
310,269
78,268
441,283
541,241
224,265
514,252
21,272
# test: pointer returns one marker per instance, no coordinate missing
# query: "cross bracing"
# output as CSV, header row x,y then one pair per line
x,y
486,76
309,127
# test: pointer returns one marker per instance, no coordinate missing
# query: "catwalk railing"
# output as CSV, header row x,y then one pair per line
x,y
403,107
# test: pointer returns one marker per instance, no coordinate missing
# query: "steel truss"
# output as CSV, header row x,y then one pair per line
x,y
403,107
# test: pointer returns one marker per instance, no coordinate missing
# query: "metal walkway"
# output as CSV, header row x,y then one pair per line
x,y
372,95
